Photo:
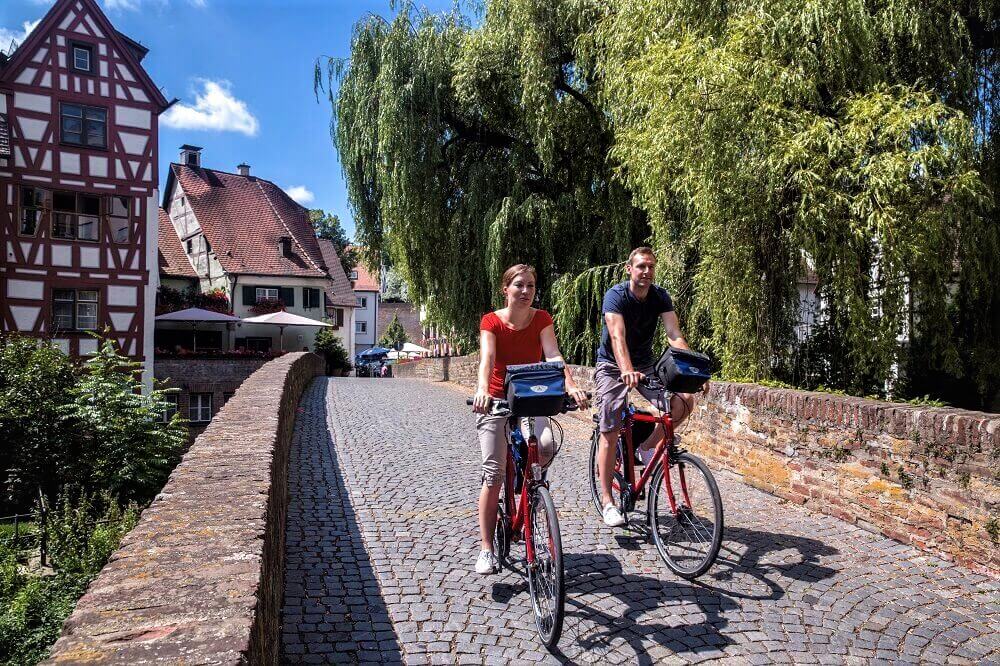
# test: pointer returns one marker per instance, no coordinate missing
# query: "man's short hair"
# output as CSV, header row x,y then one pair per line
x,y
641,250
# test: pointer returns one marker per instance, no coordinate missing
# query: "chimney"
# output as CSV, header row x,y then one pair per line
x,y
285,246
244,169
191,155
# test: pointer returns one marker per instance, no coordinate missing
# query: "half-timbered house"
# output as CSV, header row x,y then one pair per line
x,y
78,184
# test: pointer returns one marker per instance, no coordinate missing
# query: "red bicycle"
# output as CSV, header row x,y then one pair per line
x,y
532,519
684,507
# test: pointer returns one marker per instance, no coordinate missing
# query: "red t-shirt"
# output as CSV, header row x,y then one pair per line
x,y
514,347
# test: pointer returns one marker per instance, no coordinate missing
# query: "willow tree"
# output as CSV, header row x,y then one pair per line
x,y
467,150
752,143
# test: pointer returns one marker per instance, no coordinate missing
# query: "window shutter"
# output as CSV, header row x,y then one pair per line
x,y
340,316
249,295
287,295
306,298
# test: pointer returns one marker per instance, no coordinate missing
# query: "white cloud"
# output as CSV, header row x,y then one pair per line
x,y
301,194
215,109
7,36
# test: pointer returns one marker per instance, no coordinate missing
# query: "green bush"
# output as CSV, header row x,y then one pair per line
x,y
330,347
83,530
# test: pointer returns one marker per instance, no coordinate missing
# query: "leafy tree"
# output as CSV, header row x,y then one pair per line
x,y
36,380
749,143
126,449
394,335
394,289
328,226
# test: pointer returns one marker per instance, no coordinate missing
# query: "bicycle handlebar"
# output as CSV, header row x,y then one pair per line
x,y
498,406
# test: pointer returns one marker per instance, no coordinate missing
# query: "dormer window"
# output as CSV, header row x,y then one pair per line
x,y
354,275
83,57
285,245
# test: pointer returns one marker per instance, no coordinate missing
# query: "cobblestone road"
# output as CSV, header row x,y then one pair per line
x,y
382,540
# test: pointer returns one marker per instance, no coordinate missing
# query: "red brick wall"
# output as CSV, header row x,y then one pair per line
x,y
924,476
408,317
200,578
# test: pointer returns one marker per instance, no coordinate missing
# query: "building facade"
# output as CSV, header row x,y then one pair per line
x,y
367,300
78,184
245,236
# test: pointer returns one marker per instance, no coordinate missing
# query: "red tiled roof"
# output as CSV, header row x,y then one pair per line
x,y
365,281
173,259
339,292
244,217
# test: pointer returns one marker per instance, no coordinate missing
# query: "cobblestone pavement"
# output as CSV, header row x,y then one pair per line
x,y
382,538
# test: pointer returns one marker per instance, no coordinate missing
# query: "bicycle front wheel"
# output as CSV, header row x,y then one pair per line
x,y
687,531
545,574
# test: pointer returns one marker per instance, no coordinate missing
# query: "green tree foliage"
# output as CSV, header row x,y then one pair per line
x,y
328,226
750,143
88,424
394,290
126,448
394,335
35,383
330,347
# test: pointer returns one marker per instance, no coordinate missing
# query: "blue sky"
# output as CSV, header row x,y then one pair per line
x,y
243,70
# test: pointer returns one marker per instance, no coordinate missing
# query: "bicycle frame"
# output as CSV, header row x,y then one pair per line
x,y
518,518
660,452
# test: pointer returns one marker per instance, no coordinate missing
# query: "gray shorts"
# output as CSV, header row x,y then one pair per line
x,y
493,436
612,395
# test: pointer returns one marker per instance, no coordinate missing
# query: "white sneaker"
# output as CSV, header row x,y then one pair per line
x,y
487,563
612,516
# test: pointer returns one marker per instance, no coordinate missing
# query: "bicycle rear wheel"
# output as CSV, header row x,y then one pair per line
x,y
545,575
595,476
688,537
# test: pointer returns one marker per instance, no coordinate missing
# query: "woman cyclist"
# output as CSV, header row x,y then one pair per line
x,y
514,334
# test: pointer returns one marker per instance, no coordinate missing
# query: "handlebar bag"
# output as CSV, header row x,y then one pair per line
x,y
535,389
683,371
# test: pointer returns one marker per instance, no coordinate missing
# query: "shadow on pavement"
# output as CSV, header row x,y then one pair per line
x,y
333,605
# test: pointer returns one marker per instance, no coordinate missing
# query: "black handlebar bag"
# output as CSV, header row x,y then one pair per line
x,y
682,370
535,389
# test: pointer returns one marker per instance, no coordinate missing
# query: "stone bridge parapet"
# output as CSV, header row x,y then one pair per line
x,y
925,476
199,580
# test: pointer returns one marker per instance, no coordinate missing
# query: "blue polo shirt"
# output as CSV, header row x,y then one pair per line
x,y
640,322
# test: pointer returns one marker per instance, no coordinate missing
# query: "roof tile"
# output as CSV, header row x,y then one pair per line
x,y
244,217
173,259
339,293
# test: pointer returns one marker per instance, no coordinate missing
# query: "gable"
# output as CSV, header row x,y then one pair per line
x,y
45,60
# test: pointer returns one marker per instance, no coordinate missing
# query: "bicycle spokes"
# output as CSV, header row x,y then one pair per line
x,y
545,572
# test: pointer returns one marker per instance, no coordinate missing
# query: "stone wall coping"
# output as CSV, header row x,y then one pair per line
x,y
199,579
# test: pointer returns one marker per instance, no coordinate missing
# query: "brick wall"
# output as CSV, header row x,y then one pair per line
x,y
219,377
408,315
200,578
924,476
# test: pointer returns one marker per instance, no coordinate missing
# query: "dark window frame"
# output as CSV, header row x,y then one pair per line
x,y
76,302
91,51
40,209
85,123
201,407
75,215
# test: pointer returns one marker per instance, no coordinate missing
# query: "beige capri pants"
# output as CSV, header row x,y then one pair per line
x,y
493,437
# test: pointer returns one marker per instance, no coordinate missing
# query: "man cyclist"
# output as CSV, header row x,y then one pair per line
x,y
631,311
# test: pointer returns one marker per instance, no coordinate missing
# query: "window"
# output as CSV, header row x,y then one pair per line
x,y
354,275
267,292
338,317
362,301
310,298
119,218
83,55
200,408
171,409
360,327
258,344
74,309
76,216
34,201
84,125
